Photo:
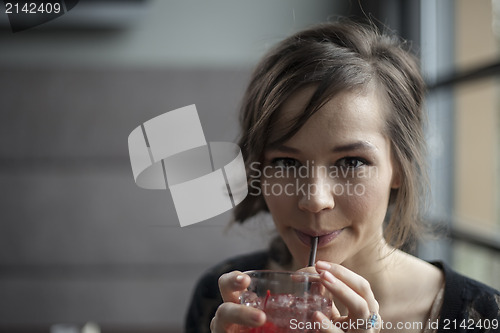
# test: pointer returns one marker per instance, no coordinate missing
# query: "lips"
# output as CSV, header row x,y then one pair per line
x,y
324,238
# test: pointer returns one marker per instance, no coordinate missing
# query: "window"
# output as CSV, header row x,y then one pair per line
x,y
457,39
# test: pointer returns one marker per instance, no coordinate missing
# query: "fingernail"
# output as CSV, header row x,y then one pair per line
x,y
328,276
240,278
323,265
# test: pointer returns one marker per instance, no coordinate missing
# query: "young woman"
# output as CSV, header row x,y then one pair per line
x,y
332,134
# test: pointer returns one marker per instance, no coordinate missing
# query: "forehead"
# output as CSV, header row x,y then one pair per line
x,y
349,112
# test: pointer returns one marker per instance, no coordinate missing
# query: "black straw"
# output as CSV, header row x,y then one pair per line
x,y
312,254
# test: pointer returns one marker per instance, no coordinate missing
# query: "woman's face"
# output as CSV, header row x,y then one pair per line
x,y
332,179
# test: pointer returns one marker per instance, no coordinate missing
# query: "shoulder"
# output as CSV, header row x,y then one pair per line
x,y
206,297
465,298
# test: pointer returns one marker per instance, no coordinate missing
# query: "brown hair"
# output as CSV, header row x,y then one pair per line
x,y
335,57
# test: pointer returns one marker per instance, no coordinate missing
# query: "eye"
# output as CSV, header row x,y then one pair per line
x,y
351,162
285,162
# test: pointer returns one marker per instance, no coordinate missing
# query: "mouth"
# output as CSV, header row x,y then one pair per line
x,y
324,237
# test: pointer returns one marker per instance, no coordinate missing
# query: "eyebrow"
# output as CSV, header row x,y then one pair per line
x,y
359,145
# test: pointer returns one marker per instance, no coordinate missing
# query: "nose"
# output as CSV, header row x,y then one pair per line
x,y
318,196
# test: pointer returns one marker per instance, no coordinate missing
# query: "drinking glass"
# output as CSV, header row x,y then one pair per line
x,y
288,299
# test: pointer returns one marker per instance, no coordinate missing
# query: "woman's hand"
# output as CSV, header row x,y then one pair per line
x,y
355,293
230,314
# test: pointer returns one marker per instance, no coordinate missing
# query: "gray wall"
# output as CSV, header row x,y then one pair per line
x,y
79,240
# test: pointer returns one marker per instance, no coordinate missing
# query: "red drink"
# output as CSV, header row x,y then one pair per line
x,y
286,312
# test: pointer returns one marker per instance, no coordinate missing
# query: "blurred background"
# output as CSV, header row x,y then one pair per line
x,y
80,242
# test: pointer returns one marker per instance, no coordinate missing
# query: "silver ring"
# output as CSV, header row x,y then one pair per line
x,y
372,321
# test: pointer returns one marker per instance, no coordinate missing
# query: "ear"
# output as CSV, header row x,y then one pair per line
x,y
396,175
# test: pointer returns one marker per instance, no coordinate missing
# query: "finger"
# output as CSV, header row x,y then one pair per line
x,y
232,284
229,314
356,305
335,311
359,318
316,287
355,281
325,324
309,269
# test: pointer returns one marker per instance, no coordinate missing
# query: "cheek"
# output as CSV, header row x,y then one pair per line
x,y
278,196
368,202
